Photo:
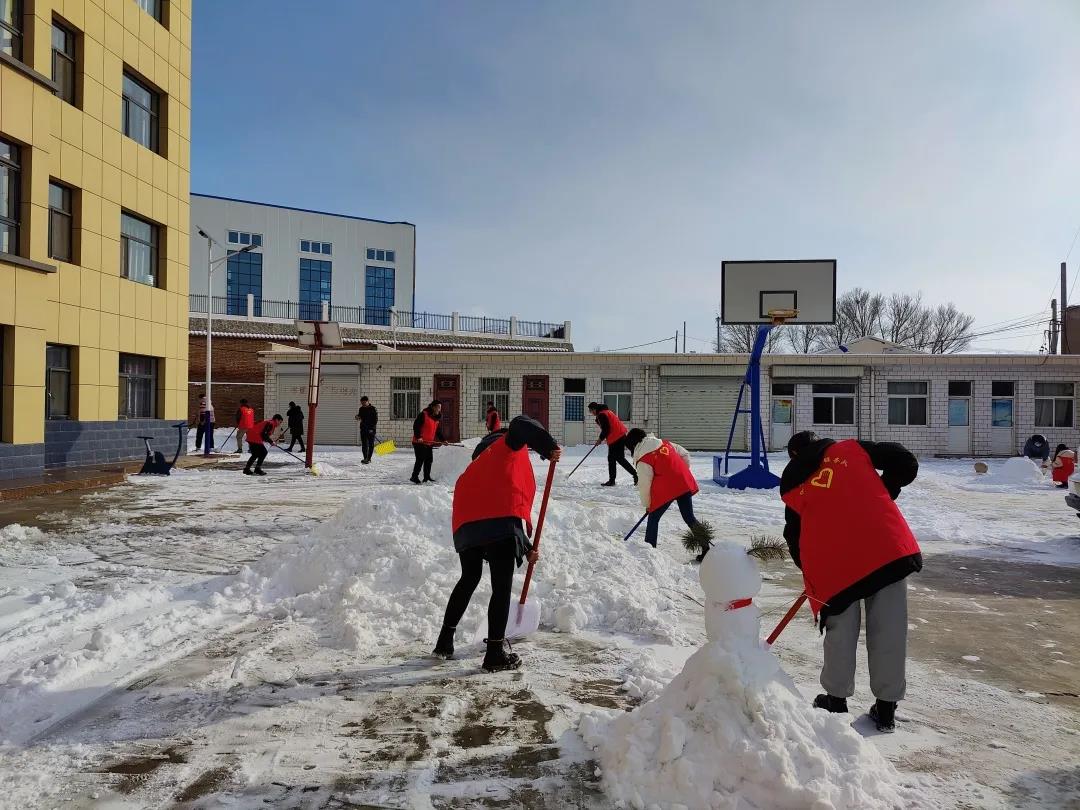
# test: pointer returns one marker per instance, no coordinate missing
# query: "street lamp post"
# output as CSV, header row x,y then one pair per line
x,y
211,265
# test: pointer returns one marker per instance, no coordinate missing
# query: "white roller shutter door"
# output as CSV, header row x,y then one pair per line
x,y
339,399
696,412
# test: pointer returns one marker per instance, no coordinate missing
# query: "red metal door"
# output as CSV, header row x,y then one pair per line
x,y
448,392
534,398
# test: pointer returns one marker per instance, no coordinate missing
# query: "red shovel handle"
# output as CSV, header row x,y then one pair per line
x,y
535,554
787,618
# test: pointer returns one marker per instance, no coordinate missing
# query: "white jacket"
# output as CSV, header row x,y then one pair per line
x,y
645,470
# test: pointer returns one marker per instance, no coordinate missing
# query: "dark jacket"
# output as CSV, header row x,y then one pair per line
x,y
295,416
522,432
898,469
368,416
418,425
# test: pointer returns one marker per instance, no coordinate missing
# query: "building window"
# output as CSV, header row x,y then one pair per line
x,y
138,386
314,288
497,390
141,112
11,28
60,222
308,246
63,62
1054,404
380,255
57,381
138,249
404,397
907,403
959,388
1002,401
243,238
618,398
9,197
378,295
783,389
155,8
244,277
834,403
574,385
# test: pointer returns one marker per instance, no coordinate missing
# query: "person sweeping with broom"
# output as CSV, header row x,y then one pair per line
x,y
664,478
492,520
258,436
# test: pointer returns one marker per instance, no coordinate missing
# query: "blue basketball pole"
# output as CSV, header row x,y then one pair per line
x,y
757,474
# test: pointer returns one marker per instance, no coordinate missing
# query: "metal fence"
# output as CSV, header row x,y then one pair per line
x,y
370,316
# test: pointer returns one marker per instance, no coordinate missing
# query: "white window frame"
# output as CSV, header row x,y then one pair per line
x,y
404,398
619,397
925,396
492,389
1054,399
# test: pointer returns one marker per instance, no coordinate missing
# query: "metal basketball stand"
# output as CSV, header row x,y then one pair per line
x,y
757,474
318,335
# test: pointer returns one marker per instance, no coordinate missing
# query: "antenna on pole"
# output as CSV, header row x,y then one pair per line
x,y
1053,326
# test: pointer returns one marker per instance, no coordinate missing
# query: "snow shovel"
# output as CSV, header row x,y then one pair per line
x,y
525,616
582,461
784,621
383,448
313,469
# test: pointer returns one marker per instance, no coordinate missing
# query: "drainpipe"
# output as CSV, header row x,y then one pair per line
x,y
647,369
873,410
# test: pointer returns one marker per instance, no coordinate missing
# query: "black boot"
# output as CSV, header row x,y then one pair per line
x,y
247,471
444,647
415,480
831,704
608,484
500,656
883,713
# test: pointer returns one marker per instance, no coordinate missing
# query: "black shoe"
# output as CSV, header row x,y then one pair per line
x,y
499,656
259,471
635,480
247,471
366,461
608,484
416,480
429,480
883,713
444,647
831,704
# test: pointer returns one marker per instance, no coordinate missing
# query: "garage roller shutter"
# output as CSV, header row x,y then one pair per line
x,y
696,412
339,398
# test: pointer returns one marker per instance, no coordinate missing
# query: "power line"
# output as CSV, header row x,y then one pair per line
x,y
638,346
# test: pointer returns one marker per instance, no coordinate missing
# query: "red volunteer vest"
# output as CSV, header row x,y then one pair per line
x,y
1068,466
247,417
498,483
850,526
616,429
493,421
254,433
671,476
427,430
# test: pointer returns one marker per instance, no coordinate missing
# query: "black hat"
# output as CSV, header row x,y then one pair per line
x,y
633,438
800,441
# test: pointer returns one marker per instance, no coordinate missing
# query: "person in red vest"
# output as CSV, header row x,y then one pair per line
x,y
245,419
492,520
258,436
612,431
493,420
663,478
1063,466
426,436
855,550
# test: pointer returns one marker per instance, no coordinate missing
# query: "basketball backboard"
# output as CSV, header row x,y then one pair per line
x,y
329,333
750,290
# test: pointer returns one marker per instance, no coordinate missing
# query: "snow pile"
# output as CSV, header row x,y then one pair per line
x,y
450,462
731,730
1018,470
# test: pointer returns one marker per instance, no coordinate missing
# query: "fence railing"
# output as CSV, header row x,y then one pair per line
x,y
252,307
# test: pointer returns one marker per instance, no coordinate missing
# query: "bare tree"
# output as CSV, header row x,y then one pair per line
x,y
950,330
804,339
906,319
739,338
862,310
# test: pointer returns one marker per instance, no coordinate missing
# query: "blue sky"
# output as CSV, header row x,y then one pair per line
x,y
597,161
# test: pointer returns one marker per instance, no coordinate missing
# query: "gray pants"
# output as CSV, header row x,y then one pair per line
x,y
886,645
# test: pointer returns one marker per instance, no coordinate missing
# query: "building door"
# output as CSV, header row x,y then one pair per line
x,y
783,415
696,412
339,391
534,398
448,392
1002,422
574,411
959,441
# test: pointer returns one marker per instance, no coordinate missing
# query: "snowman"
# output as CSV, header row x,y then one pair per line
x,y
732,730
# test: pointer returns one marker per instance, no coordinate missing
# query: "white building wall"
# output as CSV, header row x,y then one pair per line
x,y
283,228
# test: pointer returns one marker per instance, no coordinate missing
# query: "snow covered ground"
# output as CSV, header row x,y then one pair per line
x,y
211,639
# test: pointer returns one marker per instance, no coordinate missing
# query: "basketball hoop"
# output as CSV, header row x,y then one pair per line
x,y
778,316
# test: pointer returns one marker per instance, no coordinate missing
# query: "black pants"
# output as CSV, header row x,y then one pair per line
x,y
296,434
501,560
258,453
424,456
616,454
200,430
367,443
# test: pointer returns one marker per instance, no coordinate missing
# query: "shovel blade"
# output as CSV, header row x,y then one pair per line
x,y
523,620
383,448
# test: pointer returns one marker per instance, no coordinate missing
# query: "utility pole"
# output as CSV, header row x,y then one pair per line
x,y
684,337
718,334
1053,326
1064,312
676,341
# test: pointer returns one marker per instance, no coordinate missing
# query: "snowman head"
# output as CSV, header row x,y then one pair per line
x,y
729,576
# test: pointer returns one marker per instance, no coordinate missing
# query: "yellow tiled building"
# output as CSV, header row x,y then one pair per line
x,y
95,99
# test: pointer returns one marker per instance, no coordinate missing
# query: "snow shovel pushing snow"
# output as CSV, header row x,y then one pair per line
x,y
784,621
386,447
525,616
581,462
